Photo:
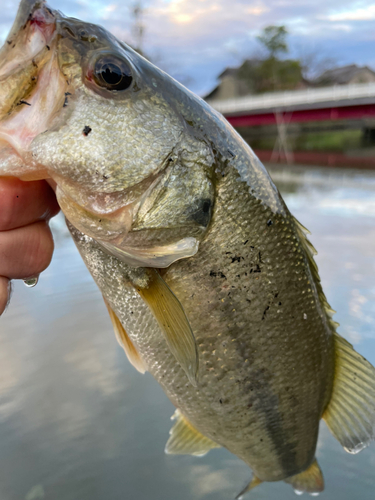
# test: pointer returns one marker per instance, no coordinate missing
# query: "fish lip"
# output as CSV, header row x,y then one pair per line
x,y
25,12
30,44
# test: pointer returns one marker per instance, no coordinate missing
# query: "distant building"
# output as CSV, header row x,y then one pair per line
x,y
255,76
345,75
230,86
232,83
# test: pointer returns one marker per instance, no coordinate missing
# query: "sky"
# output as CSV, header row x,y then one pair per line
x,y
194,40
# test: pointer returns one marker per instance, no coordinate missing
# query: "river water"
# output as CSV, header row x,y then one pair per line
x,y
77,422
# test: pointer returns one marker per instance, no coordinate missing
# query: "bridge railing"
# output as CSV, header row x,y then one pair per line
x,y
275,100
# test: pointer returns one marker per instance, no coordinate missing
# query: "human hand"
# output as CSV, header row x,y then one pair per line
x,y
26,243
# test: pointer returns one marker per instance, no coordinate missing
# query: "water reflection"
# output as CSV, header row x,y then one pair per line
x,y
78,422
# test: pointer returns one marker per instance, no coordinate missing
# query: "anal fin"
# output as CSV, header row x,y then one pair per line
x,y
350,414
255,481
309,481
125,342
186,440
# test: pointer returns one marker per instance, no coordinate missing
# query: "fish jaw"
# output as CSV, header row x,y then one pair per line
x,y
32,88
57,123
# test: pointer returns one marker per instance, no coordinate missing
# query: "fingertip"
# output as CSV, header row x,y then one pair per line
x,y
5,293
26,251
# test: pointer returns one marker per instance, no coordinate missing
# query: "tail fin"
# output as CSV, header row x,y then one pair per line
x,y
350,414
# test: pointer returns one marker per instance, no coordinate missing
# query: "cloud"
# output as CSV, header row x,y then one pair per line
x,y
199,38
363,14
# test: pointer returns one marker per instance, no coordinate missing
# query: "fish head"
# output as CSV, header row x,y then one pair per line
x,y
85,110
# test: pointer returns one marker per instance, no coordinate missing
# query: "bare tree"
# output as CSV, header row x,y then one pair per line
x,y
314,63
138,27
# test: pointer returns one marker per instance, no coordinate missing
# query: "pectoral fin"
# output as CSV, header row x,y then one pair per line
x,y
186,440
309,481
350,414
125,342
173,322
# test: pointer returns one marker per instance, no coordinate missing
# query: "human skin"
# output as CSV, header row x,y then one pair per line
x,y
26,243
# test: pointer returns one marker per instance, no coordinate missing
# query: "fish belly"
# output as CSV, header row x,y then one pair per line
x,y
265,348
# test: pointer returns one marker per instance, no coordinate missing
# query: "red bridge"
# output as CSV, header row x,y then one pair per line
x,y
344,102
329,103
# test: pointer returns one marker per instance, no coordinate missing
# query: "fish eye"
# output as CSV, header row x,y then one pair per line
x,y
112,73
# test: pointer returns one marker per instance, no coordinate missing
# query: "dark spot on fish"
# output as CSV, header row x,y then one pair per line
x,y
217,274
260,258
236,259
228,253
221,401
48,47
105,176
13,46
256,270
68,30
265,311
269,222
65,102
261,440
202,214
100,220
23,102
68,93
246,242
231,153
34,63
9,42
248,300
86,132
279,303
33,78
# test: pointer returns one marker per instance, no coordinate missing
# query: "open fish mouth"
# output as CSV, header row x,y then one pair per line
x,y
47,67
32,87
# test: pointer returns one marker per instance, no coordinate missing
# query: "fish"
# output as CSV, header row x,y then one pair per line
x,y
210,282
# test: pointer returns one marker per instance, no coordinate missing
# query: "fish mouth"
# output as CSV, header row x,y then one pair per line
x,y
33,92
31,87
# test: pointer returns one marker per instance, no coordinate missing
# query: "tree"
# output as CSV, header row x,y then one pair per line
x,y
273,39
138,28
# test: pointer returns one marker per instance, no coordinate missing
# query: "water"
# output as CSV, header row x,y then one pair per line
x,y
77,422
31,282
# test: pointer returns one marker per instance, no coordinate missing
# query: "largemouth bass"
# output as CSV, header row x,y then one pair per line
x,y
210,282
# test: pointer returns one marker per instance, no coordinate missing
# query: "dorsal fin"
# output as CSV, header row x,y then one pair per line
x,y
125,342
173,323
309,481
350,414
310,251
186,440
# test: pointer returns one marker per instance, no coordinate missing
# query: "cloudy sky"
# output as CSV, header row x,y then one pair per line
x,y
194,40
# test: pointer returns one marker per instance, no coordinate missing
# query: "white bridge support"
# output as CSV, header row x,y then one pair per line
x,y
338,95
